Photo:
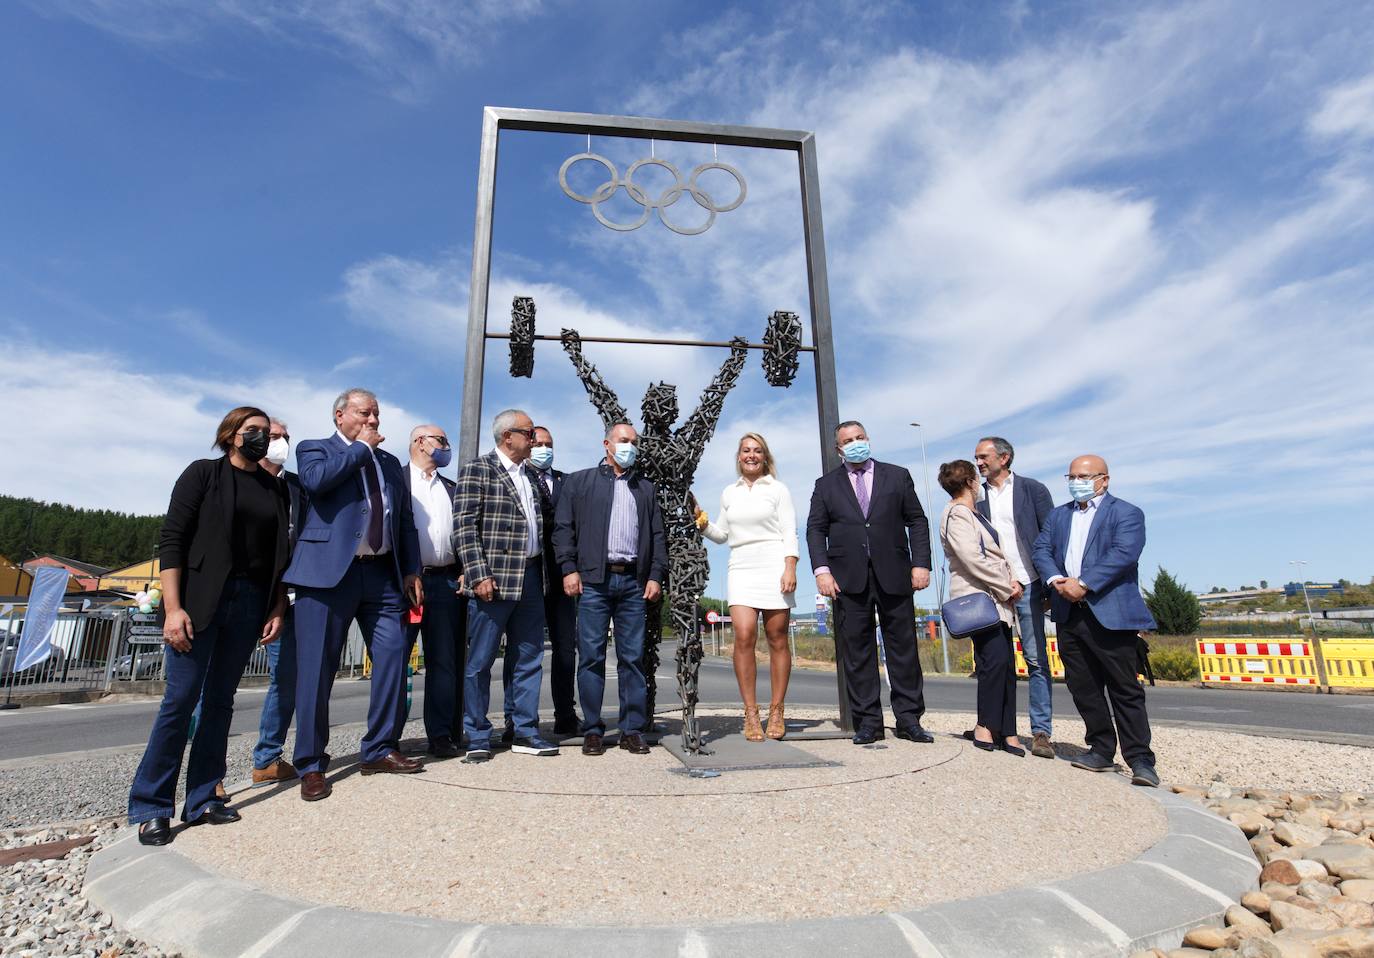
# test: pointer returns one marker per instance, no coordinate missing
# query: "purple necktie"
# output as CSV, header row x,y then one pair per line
x,y
375,510
861,491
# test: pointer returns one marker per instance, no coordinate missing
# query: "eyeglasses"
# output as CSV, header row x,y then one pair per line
x,y
1096,475
285,435
441,441
527,433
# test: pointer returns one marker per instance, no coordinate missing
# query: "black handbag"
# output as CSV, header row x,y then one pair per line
x,y
973,612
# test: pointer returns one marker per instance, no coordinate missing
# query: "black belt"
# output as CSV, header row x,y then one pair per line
x,y
450,570
533,559
622,568
373,558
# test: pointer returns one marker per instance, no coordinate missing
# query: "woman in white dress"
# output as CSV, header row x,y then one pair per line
x,y
759,523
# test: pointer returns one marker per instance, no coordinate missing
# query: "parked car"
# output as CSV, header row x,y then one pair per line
x,y
146,663
42,672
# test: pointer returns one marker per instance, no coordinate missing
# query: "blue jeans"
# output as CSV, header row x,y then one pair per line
x,y
619,598
280,703
443,631
560,616
522,620
211,669
1031,619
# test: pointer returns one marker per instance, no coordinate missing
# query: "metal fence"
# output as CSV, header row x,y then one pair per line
x,y
98,651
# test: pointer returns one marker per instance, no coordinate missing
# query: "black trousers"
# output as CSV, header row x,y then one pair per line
x,y
992,660
854,624
1099,667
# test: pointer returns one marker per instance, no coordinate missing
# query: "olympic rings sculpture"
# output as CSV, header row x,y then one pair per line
x,y
666,199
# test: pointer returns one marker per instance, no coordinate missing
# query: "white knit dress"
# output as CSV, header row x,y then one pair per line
x,y
760,525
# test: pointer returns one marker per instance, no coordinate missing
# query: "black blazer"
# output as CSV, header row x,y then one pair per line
x,y
1031,505
449,486
299,500
582,525
548,504
196,536
895,536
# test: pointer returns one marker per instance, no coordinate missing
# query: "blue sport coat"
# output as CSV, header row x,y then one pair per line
x,y
335,520
1031,506
1110,558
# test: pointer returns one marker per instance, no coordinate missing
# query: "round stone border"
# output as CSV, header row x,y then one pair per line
x,y
1188,878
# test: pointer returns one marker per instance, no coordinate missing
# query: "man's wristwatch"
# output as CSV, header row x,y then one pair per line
x,y
1082,585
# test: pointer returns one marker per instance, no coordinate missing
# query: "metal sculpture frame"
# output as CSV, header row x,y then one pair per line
x,y
802,143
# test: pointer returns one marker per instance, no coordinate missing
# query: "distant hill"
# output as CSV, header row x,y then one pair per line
x,y
98,536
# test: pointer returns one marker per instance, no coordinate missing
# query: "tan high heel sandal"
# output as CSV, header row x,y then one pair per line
x,y
777,728
753,731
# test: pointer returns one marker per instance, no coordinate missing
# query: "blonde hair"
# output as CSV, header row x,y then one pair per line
x,y
768,468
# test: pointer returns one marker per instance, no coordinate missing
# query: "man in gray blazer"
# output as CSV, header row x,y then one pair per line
x,y
1018,508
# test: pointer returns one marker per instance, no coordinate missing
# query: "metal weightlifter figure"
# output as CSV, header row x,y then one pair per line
x,y
669,459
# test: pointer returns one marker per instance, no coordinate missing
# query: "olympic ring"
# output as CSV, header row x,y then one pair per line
x,y
668,197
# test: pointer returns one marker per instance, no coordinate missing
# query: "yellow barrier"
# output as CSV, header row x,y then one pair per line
x,y
1056,664
414,661
1349,662
1259,663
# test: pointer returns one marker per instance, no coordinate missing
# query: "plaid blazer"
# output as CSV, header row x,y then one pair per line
x,y
490,537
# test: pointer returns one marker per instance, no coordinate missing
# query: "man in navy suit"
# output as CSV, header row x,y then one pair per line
x,y
560,611
869,544
356,557
1018,507
1087,555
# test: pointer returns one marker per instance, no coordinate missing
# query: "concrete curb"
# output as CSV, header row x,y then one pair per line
x,y
1187,879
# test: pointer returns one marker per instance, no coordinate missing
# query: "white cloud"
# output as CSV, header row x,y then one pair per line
x,y
1347,110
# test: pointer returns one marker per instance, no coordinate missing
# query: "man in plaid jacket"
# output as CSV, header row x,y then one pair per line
x,y
498,537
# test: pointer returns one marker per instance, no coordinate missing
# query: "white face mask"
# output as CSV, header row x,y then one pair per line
x,y
277,451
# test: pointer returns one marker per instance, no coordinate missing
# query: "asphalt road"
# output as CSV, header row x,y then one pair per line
x,y
1348,719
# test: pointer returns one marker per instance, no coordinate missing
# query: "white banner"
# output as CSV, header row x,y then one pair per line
x,y
45,600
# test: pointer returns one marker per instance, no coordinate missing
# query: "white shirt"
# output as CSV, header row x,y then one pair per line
x,y
433,509
1081,525
370,477
527,495
762,512
1004,521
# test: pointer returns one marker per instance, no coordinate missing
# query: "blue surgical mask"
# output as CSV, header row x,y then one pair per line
x,y
442,456
542,457
1082,489
856,451
624,454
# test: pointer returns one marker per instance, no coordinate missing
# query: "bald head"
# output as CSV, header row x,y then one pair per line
x,y
426,441
1084,470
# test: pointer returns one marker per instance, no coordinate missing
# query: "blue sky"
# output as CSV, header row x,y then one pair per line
x,y
1143,230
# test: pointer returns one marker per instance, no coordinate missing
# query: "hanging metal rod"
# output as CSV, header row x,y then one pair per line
x,y
649,342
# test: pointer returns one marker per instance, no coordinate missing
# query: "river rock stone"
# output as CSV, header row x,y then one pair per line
x,y
1290,872
1352,914
1360,889
1256,901
1245,921
1251,823
1284,915
1318,891
1347,861
1210,938
1339,943
1298,835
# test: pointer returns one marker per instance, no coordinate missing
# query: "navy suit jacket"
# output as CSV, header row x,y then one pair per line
x,y
335,521
583,526
548,504
895,535
1031,506
1110,557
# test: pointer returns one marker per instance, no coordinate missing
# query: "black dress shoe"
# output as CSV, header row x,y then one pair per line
x,y
867,736
1144,774
508,735
634,743
985,746
570,726
444,748
592,744
155,831
1016,750
216,814
914,733
1093,762
968,734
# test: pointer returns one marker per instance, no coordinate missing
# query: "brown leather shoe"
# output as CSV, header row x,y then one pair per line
x,y
634,743
392,763
279,771
1041,747
593,745
314,786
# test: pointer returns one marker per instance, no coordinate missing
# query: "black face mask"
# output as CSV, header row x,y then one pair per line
x,y
254,446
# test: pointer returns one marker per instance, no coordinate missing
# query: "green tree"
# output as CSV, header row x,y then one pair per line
x,y
1175,609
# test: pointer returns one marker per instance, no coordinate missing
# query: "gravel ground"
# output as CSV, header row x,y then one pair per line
x,y
42,912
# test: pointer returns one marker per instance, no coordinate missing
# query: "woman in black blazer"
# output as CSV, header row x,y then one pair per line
x,y
223,550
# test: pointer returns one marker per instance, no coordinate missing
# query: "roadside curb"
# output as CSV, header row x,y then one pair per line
x,y
1188,878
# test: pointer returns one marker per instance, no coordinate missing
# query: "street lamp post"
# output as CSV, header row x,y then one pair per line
x,y
1312,621
934,548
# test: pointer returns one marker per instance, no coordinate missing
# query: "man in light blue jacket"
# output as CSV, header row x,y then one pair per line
x,y
1087,556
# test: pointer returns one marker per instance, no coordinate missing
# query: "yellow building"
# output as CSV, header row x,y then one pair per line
x,y
138,577
13,580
